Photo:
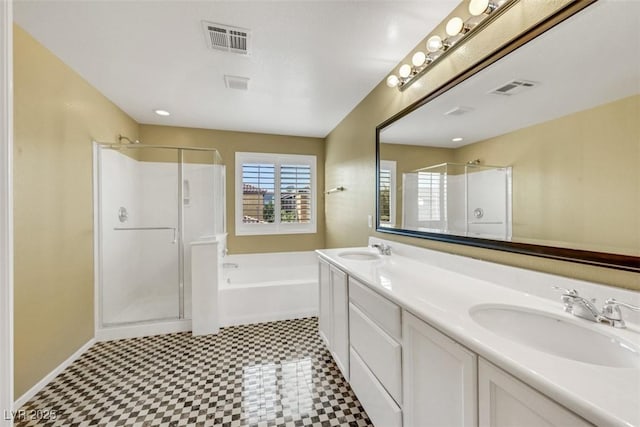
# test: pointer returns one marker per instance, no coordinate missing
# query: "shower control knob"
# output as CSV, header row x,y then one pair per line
x,y
123,215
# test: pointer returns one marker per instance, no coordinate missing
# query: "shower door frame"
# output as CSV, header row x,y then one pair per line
x,y
97,233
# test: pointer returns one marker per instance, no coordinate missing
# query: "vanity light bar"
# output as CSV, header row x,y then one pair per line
x,y
481,12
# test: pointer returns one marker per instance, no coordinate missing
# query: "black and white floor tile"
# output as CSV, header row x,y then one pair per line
x,y
268,374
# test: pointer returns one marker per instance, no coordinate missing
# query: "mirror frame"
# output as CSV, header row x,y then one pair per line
x,y
601,259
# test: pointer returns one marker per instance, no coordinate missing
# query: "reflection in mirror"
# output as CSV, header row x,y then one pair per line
x,y
458,198
541,147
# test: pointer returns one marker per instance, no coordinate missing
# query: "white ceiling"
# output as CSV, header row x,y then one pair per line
x,y
591,59
312,61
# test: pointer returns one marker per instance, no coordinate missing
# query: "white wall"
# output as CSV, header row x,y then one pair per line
x,y
6,210
120,252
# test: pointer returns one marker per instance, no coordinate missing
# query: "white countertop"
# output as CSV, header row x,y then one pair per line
x,y
605,396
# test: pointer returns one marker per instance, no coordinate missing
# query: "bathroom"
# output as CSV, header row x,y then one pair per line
x,y
81,78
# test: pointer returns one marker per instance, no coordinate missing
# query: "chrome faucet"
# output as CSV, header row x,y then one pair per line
x,y
586,308
611,311
580,306
382,248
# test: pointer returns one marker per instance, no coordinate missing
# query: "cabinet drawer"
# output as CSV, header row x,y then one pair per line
x,y
380,407
385,313
381,353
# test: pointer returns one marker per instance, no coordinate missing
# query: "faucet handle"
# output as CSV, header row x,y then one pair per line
x,y
622,304
565,291
382,248
611,311
567,298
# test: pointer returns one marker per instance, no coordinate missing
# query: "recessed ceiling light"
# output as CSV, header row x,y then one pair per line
x,y
162,112
457,139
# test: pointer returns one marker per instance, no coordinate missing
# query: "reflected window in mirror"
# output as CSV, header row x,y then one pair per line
x,y
387,193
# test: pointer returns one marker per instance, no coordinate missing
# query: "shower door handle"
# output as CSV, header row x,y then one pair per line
x,y
174,229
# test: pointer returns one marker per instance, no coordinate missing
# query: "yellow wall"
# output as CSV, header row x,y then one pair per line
x,y
572,173
228,143
57,114
350,153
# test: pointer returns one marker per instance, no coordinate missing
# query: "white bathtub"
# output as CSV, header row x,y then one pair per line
x,y
267,287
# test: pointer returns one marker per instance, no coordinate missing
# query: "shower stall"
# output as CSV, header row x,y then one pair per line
x,y
151,203
466,199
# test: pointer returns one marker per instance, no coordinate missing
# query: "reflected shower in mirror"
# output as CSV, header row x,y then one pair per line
x,y
540,149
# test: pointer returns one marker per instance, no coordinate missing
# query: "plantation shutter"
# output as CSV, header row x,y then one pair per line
x,y
258,192
385,195
430,196
295,193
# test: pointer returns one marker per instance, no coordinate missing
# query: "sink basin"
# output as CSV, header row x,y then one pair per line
x,y
359,255
557,336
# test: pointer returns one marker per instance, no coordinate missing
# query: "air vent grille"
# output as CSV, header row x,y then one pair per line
x,y
227,38
514,87
458,111
236,82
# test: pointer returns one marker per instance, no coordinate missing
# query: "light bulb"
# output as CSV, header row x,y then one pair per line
x,y
162,112
454,26
405,71
457,139
418,59
478,7
434,44
392,80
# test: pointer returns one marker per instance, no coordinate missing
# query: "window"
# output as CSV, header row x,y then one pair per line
x,y
387,196
431,197
275,193
432,200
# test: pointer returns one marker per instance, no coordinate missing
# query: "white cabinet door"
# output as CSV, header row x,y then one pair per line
x,y
333,317
325,315
439,378
506,402
340,338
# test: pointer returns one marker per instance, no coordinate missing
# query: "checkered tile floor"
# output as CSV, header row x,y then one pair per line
x,y
268,374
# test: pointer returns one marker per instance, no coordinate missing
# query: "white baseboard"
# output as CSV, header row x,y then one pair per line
x,y
142,330
51,375
266,317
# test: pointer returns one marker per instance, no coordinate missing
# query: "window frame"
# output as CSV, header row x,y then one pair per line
x,y
390,165
277,227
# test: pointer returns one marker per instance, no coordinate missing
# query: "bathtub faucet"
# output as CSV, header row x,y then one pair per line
x,y
382,248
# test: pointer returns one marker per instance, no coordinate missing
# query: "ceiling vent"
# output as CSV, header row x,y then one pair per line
x,y
227,38
458,111
514,87
236,82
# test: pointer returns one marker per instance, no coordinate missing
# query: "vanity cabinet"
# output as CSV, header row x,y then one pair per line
x,y
439,378
406,373
333,319
504,401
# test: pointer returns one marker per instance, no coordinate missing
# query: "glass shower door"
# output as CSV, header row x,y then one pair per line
x,y
140,242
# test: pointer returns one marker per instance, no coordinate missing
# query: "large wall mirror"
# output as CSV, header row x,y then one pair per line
x,y
538,152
